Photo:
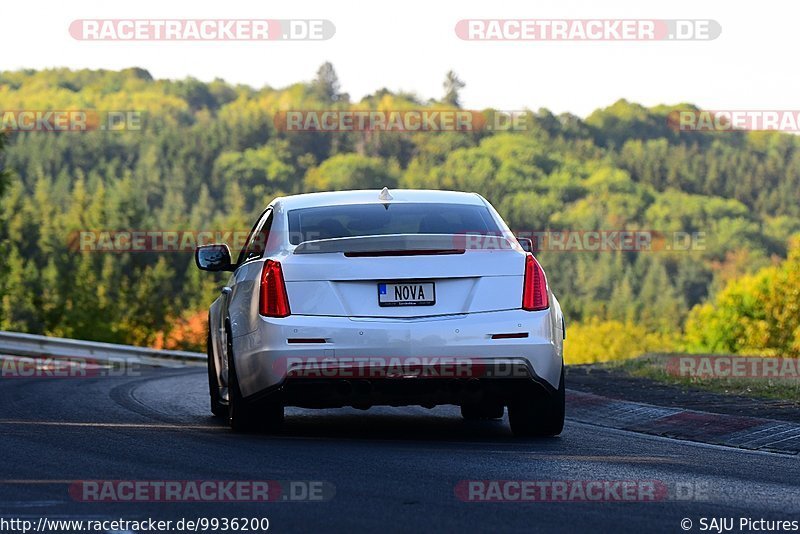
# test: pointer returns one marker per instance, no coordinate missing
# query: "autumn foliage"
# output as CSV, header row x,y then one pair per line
x,y
188,333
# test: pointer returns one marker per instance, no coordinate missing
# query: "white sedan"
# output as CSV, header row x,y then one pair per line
x,y
402,297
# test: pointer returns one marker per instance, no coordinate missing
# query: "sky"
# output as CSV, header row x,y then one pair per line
x,y
410,45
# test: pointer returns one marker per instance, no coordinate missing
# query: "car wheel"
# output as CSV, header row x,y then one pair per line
x,y
218,407
482,412
537,414
244,416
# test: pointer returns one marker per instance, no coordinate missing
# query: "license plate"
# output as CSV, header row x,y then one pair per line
x,y
406,294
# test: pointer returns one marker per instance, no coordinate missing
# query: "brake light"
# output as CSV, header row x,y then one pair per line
x,y
273,301
534,293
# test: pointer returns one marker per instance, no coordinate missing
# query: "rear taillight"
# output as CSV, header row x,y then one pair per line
x,y
534,293
274,302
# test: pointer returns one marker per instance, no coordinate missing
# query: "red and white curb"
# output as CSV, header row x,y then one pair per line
x,y
730,430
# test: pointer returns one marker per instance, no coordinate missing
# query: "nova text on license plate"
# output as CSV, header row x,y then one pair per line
x,y
406,294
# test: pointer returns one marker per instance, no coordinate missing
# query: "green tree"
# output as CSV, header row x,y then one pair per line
x,y
452,89
352,171
264,171
5,267
4,174
18,295
325,87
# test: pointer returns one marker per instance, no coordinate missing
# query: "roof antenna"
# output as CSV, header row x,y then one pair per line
x,y
385,196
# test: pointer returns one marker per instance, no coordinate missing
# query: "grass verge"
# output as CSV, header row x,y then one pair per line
x,y
665,367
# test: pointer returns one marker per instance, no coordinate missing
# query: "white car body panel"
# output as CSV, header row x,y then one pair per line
x,y
460,336
334,298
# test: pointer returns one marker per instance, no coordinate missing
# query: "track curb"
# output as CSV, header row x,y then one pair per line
x,y
743,432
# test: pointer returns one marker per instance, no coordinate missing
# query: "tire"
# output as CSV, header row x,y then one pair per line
x,y
218,407
482,412
537,414
244,416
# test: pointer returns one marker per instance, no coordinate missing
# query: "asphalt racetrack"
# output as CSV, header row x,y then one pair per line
x,y
386,469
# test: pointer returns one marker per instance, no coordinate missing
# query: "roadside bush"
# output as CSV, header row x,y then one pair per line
x,y
755,314
603,341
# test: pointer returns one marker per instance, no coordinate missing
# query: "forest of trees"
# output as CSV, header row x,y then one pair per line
x,y
209,157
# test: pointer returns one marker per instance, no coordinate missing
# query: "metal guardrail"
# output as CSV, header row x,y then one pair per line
x,y
18,344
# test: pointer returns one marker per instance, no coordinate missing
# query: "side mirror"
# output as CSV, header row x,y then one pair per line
x,y
526,244
213,258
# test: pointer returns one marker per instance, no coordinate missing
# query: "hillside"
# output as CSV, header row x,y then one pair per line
x,y
208,156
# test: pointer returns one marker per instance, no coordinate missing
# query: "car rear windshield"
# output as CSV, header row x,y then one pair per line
x,y
354,220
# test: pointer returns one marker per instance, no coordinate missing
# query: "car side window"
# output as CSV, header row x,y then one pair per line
x,y
257,241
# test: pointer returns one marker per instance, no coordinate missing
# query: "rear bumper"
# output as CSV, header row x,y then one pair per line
x,y
332,361
367,392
